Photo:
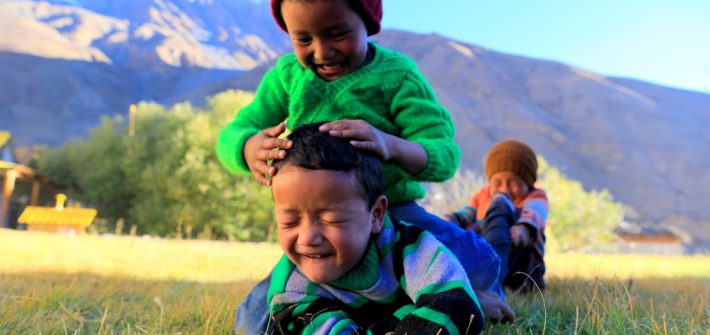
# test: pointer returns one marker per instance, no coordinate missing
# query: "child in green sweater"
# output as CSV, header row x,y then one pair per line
x,y
348,268
372,96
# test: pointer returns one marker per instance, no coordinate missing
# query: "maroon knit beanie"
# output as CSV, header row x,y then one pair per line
x,y
370,12
513,156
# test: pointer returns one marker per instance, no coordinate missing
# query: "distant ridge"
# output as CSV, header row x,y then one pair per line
x,y
63,66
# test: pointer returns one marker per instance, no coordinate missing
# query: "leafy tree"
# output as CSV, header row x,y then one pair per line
x,y
166,179
452,195
579,220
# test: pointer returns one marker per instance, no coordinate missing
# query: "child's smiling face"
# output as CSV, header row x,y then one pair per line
x,y
324,225
328,36
510,183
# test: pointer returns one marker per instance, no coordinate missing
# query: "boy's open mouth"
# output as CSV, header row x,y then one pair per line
x,y
316,256
329,68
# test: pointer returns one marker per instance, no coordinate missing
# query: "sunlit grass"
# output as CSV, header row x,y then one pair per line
x,y
53,284
627,266
135,257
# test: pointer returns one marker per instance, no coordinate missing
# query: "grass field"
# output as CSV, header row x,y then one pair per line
x,y
52,284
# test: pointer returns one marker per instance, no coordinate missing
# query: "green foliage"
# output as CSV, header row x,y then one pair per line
x,y
578,220
165,179
452,195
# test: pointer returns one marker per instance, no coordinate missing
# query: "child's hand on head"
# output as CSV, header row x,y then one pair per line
x,y
362,135
259,149
520,235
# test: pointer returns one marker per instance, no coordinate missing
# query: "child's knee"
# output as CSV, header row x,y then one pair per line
x,y
500,216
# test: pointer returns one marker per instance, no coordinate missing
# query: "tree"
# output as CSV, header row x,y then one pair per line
x,y
579,220
452,195
166,178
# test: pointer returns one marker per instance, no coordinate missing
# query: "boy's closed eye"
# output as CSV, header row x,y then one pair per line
x,y
287,224
287,219
303,40
340,34
333,218
332,222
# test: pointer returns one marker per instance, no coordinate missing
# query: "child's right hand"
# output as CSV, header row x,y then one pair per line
x,y
259,149
494,308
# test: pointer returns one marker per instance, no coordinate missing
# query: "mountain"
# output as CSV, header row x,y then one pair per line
x,y
641,141
65,63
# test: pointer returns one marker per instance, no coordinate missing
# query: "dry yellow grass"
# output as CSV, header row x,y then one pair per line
x,y
54,284
135,257
627,266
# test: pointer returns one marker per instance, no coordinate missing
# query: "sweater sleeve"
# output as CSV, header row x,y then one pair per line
x,y
268,108
444,302
314,315
480,201
534,210
423,120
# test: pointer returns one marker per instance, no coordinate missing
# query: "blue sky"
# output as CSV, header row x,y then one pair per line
x,y
663,42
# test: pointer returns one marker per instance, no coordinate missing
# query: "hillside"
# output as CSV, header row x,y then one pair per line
x,y
65,63
85,59
640,141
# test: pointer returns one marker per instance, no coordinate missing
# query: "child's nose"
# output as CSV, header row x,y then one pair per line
x,y
323,51
310,234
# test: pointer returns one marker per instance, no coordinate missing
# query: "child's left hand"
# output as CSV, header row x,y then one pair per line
x,y
520,235
362,136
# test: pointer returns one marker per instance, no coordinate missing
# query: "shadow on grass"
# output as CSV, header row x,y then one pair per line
x,y
60,303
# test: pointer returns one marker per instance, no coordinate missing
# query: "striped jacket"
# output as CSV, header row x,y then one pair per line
x,y
407,282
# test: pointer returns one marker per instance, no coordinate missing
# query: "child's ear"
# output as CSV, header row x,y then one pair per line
x,y
377,213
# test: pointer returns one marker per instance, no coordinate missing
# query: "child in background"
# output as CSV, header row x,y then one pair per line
x,y
510,213
372,96
348,267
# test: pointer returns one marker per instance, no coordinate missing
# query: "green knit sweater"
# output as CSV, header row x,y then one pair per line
x,y
389,93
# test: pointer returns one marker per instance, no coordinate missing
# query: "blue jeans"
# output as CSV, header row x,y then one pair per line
x,y
500,216
253,314
521,267
478,258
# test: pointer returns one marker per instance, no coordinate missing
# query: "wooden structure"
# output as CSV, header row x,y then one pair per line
x,y
20,185
58,219
649,239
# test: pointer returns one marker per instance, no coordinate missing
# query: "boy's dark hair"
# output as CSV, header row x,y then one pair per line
x,y
316,150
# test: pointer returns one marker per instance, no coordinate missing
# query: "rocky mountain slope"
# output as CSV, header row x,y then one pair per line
x,y
63,64
643,142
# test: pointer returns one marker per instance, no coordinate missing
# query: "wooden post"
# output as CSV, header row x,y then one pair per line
x,y
35,192
8,188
